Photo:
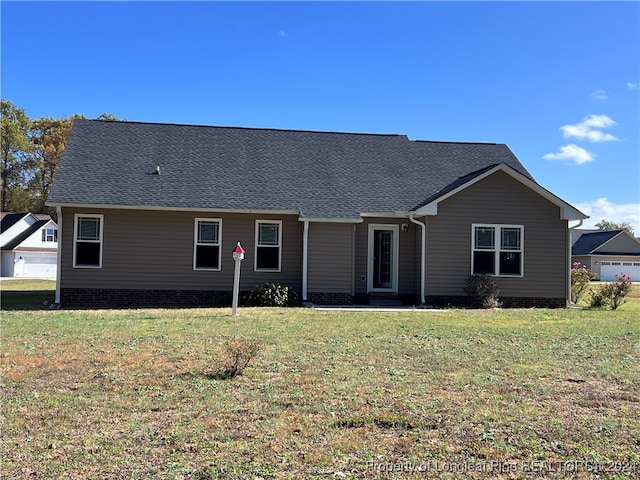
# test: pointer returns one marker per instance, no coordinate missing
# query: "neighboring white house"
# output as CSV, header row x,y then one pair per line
x,y
28,245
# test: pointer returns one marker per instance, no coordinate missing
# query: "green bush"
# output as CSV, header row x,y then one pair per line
x,y
273,295
599,297
483,291
619,289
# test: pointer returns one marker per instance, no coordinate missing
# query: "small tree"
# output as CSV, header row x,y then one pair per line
x,y
15,150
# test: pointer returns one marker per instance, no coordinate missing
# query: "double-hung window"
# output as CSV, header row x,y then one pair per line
x,y
268,245
87,241
207,240
497,250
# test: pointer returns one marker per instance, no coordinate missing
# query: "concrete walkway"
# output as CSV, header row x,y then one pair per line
x,y
369,308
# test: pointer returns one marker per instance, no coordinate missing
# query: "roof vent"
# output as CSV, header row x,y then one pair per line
x,y
157,172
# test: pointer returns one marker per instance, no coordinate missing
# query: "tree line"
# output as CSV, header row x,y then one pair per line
x,y
31,152
31,149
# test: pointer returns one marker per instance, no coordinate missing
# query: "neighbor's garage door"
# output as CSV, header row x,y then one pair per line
x,y
609,270
40,266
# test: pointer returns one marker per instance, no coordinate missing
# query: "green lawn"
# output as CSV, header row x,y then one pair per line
x,y
132,394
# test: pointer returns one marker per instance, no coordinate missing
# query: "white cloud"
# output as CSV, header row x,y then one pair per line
x,y
589,129
571,153
282,34
599,95
603,209
633,86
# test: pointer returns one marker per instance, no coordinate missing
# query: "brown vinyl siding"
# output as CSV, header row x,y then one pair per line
x,y
153,250
147,249
498,199
330,266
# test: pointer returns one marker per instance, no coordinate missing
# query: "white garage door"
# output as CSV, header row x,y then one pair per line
x,y
609,270
39,266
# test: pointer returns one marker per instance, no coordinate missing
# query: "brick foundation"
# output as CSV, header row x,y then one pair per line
x,y
507,302
330,298
124,298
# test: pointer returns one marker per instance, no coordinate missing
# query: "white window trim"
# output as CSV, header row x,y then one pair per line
x,y
219,245
497,247
279,246
76,217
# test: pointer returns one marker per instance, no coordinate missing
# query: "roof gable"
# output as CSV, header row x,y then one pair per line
x,y
324,175
606,242
430,207
24,235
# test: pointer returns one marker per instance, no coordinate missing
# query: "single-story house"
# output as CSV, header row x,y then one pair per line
x,y
149,214
608,253
28,245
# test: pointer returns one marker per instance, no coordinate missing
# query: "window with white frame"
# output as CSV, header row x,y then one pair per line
x,y
49,234
268,245
207,240
497,250
87,241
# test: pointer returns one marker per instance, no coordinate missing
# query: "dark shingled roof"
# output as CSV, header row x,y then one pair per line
x,y
8,220
24,235
588,242
315,174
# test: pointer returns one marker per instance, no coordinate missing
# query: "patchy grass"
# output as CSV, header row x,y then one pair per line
x,y
133,394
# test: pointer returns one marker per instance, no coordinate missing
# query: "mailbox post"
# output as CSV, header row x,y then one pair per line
x,y
238,256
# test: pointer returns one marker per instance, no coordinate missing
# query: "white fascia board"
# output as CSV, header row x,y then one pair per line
x,y
567,212
357,220
330,220
387,214
172,209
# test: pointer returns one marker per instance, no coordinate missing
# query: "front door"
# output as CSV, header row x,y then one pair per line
x,y
383,258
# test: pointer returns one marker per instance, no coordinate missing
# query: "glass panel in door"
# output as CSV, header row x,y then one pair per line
x,y
382,258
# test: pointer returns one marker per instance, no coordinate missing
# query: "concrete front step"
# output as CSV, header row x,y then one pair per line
x,y
380,300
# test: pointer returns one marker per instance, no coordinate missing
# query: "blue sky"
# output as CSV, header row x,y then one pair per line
x,y
557,82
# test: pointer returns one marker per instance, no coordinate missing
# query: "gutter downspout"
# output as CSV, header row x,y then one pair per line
x,y
569,264
305,258
353,261
59,255
423,258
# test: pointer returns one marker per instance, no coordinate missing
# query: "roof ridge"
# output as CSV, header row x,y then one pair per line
x,y
600,232
235,127
456,142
